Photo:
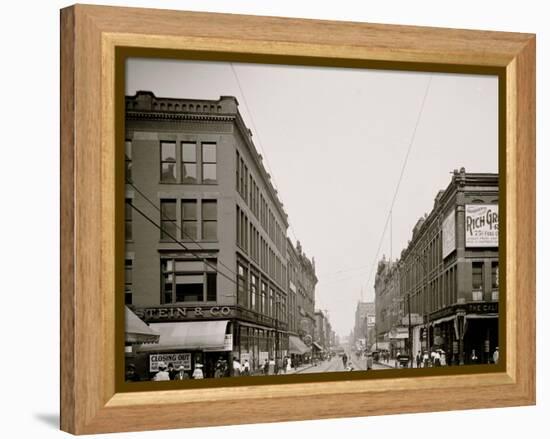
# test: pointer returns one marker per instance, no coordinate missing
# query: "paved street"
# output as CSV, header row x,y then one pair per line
x,y
335,365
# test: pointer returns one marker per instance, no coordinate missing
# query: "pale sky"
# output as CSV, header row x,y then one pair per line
x,y
335,141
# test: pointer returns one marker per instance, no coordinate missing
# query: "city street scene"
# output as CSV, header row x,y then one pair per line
x,y
295,220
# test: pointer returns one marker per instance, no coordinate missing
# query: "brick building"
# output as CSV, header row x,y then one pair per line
x,y
447,278
206,261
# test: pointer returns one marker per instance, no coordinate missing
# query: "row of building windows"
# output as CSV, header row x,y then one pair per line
x,y
198,220
258,294
250,192
442,291
192,163
183,280
188,280
197,163
196,223
250,240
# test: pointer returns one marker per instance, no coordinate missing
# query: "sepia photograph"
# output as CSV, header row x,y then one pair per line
x,y
284,219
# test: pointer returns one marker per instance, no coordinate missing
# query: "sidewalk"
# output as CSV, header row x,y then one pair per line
x,y
391,364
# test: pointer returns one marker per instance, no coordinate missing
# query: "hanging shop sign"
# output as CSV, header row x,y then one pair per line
x,y
163,314
177,360
481,225
448,234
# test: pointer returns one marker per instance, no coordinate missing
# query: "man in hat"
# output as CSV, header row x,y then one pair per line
x,y
181,374
161,375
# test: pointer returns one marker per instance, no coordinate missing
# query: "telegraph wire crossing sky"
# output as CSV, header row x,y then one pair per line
x,y
335,141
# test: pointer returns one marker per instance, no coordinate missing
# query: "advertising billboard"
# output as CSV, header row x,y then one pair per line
x,y
448,234
481,225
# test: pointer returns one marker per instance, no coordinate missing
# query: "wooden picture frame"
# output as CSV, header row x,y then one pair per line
x,y
91,37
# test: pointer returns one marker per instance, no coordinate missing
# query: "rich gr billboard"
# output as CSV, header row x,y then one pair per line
x,y
481,225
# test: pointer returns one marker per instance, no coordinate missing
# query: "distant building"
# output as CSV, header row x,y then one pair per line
x,y
301,293
447,279
363,329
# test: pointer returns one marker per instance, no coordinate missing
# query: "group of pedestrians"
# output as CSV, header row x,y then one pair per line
x,y
270,366
169,372
435,358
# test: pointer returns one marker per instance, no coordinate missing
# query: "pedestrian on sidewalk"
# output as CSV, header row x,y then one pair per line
x,y
437,358
236,367
161,375
181,374
245,368
197,373
418,359
426,359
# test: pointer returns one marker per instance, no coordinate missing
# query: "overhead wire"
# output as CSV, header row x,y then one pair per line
x,y
144,215
390,211
152,203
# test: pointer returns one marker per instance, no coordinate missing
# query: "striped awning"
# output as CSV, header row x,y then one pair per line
x,y
317,346
203,336
297,346
137,331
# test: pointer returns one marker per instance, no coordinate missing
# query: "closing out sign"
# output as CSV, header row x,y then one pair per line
x,y
481,225
176,359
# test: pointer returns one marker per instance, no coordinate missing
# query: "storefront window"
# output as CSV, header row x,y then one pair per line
x,y
494,275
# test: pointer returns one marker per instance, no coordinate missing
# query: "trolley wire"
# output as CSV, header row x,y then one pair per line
x,y
152,203
411,143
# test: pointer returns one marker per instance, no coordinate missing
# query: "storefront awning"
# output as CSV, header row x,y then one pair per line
x,y
481,316
442,320
297,346
204,336
137,331
317,346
